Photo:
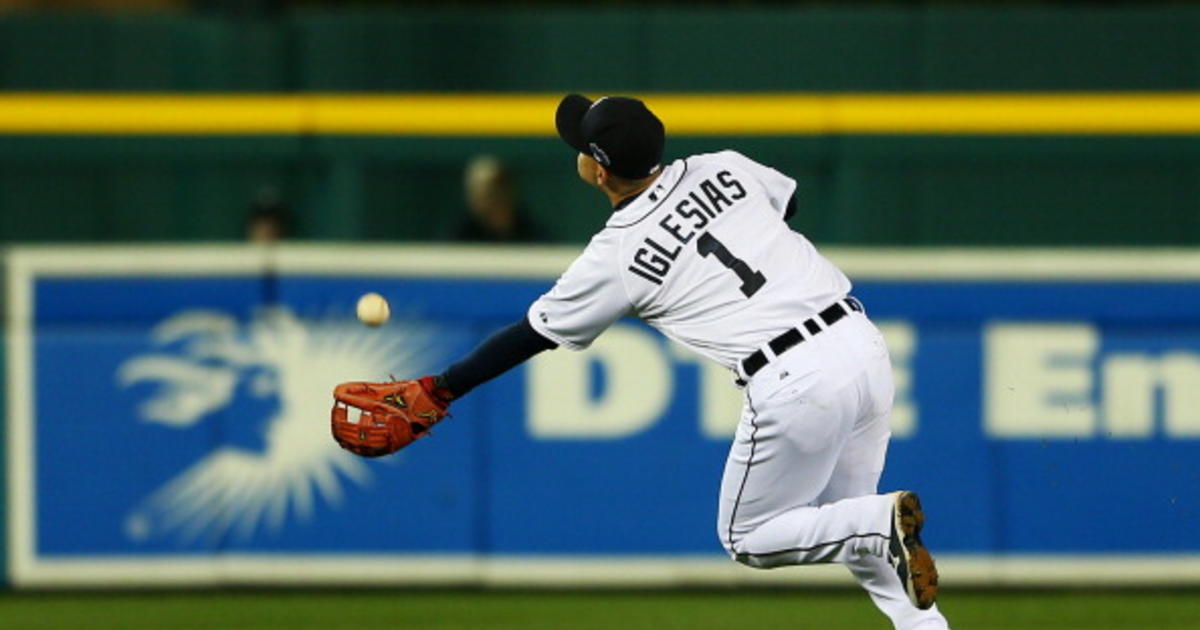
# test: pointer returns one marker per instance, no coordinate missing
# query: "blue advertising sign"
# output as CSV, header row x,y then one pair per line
x,y
169,421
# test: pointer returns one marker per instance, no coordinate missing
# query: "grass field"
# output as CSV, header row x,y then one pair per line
x,y
444,610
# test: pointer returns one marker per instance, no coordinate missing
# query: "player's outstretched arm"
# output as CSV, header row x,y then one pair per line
x,y
504,350
375,419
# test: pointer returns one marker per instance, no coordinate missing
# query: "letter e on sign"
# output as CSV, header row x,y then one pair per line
x,y
1038,380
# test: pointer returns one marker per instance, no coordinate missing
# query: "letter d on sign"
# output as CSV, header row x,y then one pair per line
x,y
638,384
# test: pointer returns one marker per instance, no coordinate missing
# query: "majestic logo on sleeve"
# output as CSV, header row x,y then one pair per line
x,y
262,386
689,216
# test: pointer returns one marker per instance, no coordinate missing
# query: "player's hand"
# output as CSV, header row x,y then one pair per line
x,y
438,392
376,419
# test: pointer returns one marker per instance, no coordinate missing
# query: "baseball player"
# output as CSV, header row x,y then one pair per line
x,y
699,249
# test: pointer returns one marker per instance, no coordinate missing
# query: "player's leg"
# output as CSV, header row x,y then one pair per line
x,y
856,474
800,479
796,422
800,412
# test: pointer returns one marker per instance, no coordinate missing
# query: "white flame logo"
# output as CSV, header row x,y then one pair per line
x,y
208,361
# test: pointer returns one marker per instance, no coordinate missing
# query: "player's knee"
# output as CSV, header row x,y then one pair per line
x,y
726,543
728,539
746,558
731,535
733,546
754,562
759,561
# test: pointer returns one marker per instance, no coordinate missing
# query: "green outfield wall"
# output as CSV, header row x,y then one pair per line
x,y
872,190
1013,187
639,49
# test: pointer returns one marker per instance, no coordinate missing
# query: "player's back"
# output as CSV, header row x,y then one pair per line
x,y
710,261
704,255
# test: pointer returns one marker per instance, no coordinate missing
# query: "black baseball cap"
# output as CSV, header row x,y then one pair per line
x,y
619,132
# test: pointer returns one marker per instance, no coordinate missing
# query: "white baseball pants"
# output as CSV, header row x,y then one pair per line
x,y
801,479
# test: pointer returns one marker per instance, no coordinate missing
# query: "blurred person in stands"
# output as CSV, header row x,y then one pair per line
x,y
494,214
268,220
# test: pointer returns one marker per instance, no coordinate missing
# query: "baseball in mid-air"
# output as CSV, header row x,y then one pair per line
x,y
373,309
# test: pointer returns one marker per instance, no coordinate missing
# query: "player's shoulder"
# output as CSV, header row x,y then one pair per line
x,y
596,259
603,241
731,160
738,163
726,157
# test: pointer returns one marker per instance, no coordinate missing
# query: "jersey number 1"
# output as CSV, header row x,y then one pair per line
x,y
752,280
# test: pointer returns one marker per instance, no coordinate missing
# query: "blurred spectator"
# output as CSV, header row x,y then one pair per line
x,y
268,220
494,214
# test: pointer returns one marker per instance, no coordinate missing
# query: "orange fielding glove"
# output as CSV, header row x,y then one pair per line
x,y
376,419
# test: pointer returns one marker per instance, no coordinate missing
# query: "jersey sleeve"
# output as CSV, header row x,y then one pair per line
x,y
779,187
585,300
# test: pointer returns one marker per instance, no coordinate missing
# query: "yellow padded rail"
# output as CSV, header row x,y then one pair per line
x,y
533,114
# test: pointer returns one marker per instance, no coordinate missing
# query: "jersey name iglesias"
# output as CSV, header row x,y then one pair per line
x,y
704,256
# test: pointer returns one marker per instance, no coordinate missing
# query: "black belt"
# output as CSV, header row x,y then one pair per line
x,y
793,337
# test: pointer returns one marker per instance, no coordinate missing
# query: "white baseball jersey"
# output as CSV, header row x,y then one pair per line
x,y
704,256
